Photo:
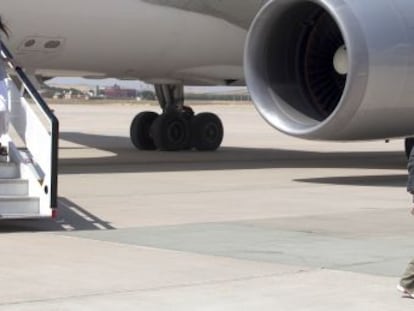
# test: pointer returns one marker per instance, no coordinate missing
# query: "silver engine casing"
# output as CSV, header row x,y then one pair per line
x,y
375,99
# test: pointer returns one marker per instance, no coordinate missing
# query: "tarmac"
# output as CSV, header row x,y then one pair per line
x,y
268,222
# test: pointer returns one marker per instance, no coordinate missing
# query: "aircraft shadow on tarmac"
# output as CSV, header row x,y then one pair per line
x,y
125,158
398,181
71,217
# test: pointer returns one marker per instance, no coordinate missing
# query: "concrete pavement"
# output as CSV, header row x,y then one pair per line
x,y
267,223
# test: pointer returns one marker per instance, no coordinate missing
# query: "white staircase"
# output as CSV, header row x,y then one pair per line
x,y
28,178
15,201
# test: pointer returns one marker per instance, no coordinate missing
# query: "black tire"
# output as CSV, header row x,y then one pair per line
x,y
409,144
140,130
207,132
171,132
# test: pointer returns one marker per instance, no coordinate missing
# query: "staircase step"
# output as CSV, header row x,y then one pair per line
x,y
18,206
14,187
8,170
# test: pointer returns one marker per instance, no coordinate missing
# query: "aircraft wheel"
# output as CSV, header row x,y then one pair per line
x,y
207,132
171,132
409,144
140,130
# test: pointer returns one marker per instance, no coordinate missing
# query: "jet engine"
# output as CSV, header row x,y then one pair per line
x,y
334,69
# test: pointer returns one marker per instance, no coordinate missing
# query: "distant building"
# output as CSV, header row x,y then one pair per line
x,y
117,92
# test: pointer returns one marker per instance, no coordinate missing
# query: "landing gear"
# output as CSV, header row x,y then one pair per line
x,y
207,131
140,130
171,132
177,128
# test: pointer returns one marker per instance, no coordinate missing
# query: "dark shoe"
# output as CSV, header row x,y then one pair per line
x,y
405,291
3,151
3,154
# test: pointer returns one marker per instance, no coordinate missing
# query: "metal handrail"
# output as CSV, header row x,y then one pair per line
x,y
54,123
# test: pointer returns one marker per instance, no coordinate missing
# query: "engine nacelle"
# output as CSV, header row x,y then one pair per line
x,y
334,69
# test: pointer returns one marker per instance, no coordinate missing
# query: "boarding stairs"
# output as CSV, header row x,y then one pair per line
x,y
28,175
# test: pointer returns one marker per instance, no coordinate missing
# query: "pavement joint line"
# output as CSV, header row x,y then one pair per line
x,y
162,288
359,264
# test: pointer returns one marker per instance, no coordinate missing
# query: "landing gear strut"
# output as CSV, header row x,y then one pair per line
x,y
177,128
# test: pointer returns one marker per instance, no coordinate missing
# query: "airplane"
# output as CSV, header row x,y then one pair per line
x,y
316,69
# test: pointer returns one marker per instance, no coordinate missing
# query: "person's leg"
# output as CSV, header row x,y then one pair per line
x,y
4,127
407,280
4,116
3,123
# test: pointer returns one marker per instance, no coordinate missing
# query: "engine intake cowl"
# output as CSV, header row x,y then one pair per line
x,y
334,69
